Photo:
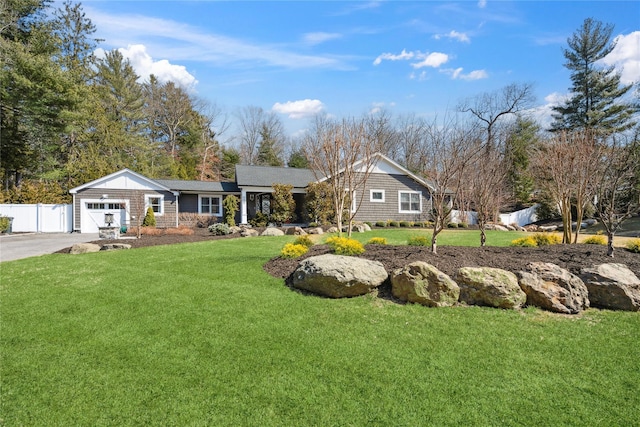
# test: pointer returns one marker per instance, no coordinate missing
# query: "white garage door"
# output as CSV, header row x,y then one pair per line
x,y
93,214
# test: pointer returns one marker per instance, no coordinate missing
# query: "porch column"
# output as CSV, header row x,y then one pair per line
x,y
243,207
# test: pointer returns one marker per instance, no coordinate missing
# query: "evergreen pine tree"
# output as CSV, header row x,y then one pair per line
x,y
596,92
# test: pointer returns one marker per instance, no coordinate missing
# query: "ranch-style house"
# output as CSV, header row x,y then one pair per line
x,y
391,193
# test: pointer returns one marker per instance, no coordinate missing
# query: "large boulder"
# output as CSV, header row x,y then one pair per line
x,y
332,229
115,247
498,227
272,231
296,231
83,248
492,287
338,276
612,286
249,232
315,230
553,288
424,284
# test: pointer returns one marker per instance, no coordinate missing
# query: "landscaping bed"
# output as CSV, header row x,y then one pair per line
x,y
451,258
448,259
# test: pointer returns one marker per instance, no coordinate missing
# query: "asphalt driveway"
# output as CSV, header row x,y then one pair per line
x,y
18,246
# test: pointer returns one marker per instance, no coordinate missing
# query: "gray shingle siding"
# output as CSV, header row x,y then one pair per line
x,y
136,203
389,209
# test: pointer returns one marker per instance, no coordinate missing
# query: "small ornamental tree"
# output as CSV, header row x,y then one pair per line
x,y
230,205
318,202
282,204
149,218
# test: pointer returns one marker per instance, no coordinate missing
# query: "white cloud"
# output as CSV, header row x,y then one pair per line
x,y
482,4
299,109
543,113
453,34
626,57
457,74
434,60
144,66
404,55
183,42
320,37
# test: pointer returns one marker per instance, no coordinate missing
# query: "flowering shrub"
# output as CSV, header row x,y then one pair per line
x,y
304,241
345,246
595,240
538,239
634,246
525,242
292,250
220,229
543,239
419,241
377,241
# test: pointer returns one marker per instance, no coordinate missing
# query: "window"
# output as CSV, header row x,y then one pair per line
x,y
410,201
377,196
210,205
155,202
106,206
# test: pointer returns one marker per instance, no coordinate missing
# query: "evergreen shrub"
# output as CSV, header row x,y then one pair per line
x,y
149,219
220,229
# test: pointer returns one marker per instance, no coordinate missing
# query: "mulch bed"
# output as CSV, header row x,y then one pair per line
x,y
448,259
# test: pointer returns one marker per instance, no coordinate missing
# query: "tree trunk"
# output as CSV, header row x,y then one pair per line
x,y
610,244
434,239
483,237
579,215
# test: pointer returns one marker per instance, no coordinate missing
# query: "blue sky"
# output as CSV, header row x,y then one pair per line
x,y
299,58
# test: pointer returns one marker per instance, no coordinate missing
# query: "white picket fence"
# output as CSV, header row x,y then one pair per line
x,y
521,217
39,218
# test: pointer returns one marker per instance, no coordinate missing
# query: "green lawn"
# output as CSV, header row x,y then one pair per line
x,y
198,334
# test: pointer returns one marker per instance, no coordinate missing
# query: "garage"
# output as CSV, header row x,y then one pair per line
x,y
93,214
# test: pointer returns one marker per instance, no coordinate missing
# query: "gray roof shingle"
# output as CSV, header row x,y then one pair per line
x,y
266,176
199,186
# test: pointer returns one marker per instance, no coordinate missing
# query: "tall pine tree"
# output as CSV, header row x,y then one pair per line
x,y
596,100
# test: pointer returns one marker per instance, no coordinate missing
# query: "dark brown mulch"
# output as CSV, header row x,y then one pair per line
x,y
450,258
199,235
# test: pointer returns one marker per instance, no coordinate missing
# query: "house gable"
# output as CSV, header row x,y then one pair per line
x,y
124,179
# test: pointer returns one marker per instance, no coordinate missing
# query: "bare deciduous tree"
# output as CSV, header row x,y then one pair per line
x,y
618,184
487,189
254,123
447,151
490,107
342,154
564,167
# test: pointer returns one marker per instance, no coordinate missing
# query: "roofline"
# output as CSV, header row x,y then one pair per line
x,y
120,172
394,163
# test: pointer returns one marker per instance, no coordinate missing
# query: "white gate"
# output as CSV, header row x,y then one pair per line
x,y
39,218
